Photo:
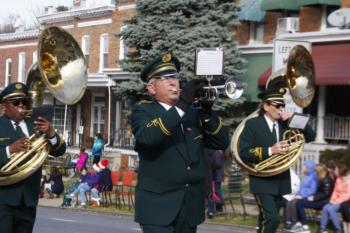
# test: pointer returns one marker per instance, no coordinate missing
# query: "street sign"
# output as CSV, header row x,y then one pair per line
x,y
281,51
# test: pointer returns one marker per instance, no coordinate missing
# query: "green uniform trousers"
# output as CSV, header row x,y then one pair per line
x,y
179,225
269,206
17,219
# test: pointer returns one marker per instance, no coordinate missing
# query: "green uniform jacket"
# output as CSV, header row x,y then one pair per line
x,y
254,142
28,189
171,170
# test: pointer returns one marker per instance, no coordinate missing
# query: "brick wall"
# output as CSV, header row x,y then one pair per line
x,y
12,53
270,25
86,114
345,3
310,18
242,33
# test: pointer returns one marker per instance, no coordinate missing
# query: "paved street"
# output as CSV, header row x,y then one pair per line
x,y
55,220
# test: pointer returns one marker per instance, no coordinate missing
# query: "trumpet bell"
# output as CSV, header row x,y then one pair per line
x,y
232,89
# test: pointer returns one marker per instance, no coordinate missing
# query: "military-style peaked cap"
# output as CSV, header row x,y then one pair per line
x,y
13,91
166,64
273,95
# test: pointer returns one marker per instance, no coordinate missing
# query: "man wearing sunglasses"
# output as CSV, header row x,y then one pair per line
x,y
262,137
18,201
170,138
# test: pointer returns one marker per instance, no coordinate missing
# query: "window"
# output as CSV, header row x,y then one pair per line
x,y
123,49
86,48
58,121
256,33
8,71
35,57
21,67
103,51
98,112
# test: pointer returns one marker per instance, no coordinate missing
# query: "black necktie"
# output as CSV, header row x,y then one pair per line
x,y
19,130
274,132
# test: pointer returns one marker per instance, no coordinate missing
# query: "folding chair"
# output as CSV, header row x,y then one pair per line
x,y
234,191
127,188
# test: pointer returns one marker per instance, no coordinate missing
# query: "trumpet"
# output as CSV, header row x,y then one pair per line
x,y
232,88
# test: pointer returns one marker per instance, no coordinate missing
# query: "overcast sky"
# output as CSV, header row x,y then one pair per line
x,y
27,8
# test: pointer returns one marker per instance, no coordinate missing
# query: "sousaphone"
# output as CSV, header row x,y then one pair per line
x,y
62,69
299,79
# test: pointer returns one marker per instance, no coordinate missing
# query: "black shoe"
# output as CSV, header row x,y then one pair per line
x,y
288,226
219,207
210,215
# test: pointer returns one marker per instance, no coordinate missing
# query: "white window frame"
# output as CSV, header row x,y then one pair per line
x,y
8,75
99,105
21,66
35,57
104,47
85,45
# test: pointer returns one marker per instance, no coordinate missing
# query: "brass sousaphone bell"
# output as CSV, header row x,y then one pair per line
x,y
62,69
299,79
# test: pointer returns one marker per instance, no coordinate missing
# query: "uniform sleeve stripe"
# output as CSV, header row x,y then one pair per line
x,y
217,129
163,128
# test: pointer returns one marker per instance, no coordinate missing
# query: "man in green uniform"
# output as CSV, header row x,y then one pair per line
x,y
18,201
261,138
170,138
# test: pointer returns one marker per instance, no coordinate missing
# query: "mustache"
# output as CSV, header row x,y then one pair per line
x,y
174,91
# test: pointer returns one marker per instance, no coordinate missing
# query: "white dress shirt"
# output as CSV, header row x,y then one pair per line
x,y
270,124
167,107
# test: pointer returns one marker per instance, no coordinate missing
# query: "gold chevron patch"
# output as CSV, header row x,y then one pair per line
x,y
257,151
159,123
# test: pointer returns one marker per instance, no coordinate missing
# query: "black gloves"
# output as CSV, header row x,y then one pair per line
x,y
189,93
204,111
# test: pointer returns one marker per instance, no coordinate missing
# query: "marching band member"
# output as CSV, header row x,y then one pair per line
x,y
18,201
170,138
261,138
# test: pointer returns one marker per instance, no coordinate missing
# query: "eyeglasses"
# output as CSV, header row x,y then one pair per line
x,y
278,106
17,102
166,78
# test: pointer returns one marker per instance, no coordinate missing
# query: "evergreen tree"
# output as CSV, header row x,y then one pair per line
x,y
181,26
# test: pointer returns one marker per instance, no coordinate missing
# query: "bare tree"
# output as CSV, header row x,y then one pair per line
x,y
9,23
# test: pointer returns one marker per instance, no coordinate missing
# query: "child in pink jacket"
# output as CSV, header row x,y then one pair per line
x,y
340,194
83,156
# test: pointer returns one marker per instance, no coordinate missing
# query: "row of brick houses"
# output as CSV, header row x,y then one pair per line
x,y
94,27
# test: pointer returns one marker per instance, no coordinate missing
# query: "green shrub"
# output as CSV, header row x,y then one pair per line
x,y
338,156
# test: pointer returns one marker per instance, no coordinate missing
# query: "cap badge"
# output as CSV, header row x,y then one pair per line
x,y
18,86
166,57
